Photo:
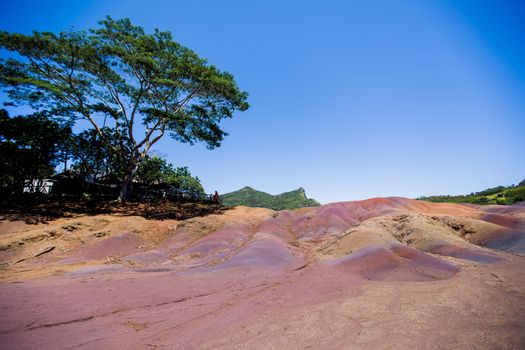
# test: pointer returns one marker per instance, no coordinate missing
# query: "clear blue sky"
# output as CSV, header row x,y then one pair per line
x,y
350,99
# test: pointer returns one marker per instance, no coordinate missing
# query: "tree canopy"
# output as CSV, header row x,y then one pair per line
x,y
118,77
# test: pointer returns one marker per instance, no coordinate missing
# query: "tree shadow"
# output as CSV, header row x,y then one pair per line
x,y
153,210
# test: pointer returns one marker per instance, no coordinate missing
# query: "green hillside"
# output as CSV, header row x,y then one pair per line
x,y
252,198
497,195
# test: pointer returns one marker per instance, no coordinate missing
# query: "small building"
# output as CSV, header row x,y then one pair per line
x,y
43,186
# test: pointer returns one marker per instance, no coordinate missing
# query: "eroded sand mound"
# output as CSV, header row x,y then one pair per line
x,y
381,273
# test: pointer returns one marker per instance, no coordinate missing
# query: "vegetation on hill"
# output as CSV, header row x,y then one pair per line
x,y
498,195
252,198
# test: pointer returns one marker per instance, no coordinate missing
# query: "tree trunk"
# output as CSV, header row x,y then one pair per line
x,y
132,168
124,187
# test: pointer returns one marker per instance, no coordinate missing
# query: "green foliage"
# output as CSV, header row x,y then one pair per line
x,y
30,148
122,74
93,159
514,195
252,198
498,195
490,191
155,170
181,178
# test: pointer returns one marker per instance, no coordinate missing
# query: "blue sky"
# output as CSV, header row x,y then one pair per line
x,y
350,99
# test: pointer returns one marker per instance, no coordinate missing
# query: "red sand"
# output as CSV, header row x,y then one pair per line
x,y
399,263
112,247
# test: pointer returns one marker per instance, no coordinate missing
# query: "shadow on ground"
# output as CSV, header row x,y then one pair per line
x,y
157,210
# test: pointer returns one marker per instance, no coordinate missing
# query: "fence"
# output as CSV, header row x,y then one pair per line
x,y
109,190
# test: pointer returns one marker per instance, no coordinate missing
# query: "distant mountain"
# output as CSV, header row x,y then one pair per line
x,y
252,198
498,195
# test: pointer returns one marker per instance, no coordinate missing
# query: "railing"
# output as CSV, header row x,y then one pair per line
x,y
140,192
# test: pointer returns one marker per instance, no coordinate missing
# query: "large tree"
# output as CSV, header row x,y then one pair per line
x,y
119,76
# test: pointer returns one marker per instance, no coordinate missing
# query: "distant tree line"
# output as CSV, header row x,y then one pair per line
x,y
39,146
502,195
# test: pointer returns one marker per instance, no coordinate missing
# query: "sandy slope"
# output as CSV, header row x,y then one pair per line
x,y
382,273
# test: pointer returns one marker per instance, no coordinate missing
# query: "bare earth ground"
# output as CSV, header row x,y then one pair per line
x,y
385,273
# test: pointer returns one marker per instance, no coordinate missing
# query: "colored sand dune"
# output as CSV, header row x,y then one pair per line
x,y
373,274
